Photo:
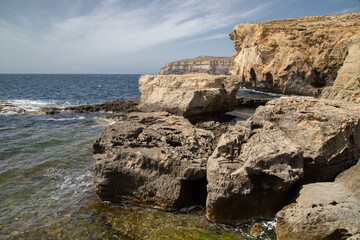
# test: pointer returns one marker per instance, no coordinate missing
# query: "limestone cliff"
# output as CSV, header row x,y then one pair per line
x,y
202,64
300,56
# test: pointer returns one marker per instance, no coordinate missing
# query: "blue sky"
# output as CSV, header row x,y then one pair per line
x,y
138,36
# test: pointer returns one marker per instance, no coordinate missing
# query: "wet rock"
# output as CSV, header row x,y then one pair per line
x,y
152,158
115,106
188,95
48,110
286,143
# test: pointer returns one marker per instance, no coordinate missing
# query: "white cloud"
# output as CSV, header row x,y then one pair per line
x,y
116,27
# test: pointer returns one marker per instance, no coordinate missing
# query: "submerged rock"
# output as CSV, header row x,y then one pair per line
x,y
288,142
188,95
152,158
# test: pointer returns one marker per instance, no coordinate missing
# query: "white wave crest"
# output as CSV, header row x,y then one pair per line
x,y
64,119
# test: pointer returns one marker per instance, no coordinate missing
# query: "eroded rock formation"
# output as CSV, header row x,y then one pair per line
x,y
188,95
202,64
153,158
300,55
285,143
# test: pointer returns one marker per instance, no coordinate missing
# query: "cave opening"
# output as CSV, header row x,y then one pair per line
x,y
193,192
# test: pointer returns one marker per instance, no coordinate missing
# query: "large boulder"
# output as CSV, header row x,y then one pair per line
x,y
152,158
322,211
300,55
286,143
188,95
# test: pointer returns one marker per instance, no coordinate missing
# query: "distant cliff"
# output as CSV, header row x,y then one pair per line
x,y
202,64
300,56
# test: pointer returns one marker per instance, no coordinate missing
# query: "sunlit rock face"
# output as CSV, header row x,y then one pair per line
x,y
189,95
300,56
288,142
202,64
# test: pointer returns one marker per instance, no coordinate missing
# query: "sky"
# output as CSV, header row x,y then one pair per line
x,y
132,36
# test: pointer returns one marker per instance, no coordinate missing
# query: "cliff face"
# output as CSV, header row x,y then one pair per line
x,y
202,64
299,56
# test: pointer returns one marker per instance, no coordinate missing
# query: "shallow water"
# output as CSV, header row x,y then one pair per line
x,y
45,169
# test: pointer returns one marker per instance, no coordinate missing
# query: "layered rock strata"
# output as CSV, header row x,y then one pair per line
x,y
188,95
202,64
300,56
288,142
328,210
152,158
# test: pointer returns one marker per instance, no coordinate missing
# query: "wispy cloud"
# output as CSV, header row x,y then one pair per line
x,y
116,27
202,39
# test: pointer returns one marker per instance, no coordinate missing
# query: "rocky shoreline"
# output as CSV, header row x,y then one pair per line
x,y
288,160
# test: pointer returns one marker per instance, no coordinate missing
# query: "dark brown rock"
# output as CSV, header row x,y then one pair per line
x,y
152,158
115,106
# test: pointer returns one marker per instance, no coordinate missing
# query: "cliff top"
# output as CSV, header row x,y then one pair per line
x,y
205,58
344,20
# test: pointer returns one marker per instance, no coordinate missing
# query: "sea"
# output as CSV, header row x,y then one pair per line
x,y
46,188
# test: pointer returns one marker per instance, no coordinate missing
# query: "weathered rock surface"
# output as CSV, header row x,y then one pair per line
x,y
346,85
322,211
202,64
116,106
351,179
300,55
288,142
251,102
188,95
153,158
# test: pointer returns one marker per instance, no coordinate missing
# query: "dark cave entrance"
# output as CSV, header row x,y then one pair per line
x,y
193,193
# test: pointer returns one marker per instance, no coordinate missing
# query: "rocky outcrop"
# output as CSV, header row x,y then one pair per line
x,y
152,158
288,142
188,95
300,56
116,106
324,210
202,64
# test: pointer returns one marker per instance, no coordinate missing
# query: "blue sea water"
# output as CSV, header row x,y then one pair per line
x,y
46,189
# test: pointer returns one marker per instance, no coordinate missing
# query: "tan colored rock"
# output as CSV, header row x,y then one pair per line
x,y
351,179
152,158
188,95
346,85
322,211
202,64
289,141
300,55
